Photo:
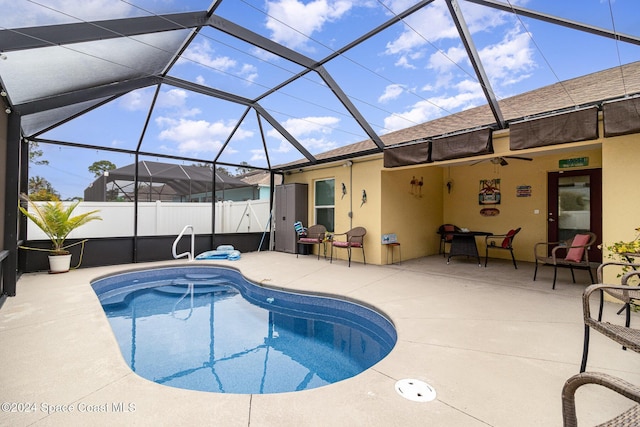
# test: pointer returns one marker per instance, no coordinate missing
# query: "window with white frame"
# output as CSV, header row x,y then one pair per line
x,y
324,202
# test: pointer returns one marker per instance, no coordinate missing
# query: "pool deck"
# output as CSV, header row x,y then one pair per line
x,y
496,346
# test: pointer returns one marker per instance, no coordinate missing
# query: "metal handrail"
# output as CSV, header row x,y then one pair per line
x,y
175,243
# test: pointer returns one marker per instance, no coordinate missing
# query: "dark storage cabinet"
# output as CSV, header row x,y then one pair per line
x,y
291,206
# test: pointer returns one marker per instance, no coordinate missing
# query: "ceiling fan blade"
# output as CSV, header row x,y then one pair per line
x,y
519,158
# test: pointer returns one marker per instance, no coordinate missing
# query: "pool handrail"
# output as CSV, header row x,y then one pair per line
x,y
190,255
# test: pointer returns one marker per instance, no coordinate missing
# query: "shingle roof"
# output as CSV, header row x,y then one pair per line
x,y
590,89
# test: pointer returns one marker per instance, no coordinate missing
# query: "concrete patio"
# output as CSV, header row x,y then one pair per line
x,y
495,345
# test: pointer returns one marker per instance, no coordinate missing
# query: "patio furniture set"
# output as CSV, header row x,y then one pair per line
x,y
317,235
573,254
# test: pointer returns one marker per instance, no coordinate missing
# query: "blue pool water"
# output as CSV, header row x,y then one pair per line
x,y
209,329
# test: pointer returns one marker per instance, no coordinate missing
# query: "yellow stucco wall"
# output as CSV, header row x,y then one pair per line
x,y
620,206
413,213
461,207
363,174
391,206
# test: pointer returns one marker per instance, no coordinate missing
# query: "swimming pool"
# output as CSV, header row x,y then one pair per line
x,y
210,329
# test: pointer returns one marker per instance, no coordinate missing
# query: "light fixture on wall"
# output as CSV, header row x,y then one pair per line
x,y
7,110
3,93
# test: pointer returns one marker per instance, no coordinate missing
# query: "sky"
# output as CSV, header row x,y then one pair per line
x,y
414,71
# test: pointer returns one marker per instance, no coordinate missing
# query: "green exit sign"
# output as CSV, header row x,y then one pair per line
x,y
574,163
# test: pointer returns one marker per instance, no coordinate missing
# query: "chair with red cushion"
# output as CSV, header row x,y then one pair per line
x,y
501,241
314,235
575,251
354,238
446,236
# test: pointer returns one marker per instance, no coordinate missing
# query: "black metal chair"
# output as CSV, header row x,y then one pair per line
x,y
446,236
501,241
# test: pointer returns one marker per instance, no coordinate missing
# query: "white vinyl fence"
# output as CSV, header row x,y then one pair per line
x,y
166,218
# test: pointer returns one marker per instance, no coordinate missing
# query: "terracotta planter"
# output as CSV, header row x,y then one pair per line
x,y
59,263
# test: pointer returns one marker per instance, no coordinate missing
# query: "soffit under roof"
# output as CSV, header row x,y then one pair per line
x,y
311,92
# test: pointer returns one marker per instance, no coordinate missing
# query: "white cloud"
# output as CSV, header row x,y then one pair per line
x,y
445,61
203,54
196,136
429,24
391,92
469,94
403,62
311,132
137,100
510,60
292,21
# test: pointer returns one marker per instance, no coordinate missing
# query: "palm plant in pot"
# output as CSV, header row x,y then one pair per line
x,y
55,220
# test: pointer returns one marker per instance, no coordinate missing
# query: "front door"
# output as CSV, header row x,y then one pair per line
x,y
575,206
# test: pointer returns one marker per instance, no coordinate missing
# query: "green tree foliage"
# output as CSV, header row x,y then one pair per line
x,y
243,170
35,153
100,167
41,190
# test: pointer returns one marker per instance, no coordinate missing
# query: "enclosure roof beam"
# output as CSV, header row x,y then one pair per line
x,y
54,35
558,21
474,57
83,95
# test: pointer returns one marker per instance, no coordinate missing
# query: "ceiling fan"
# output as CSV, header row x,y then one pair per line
x,y
502,160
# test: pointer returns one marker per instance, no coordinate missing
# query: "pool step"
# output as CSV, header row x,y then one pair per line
x,y
203,283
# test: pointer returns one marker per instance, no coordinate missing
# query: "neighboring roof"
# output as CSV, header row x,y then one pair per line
x,y
183,179
590,89
260,178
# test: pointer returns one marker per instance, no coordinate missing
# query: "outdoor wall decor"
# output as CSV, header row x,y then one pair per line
x,y
489,192
416,186
523,191
364,197
489,211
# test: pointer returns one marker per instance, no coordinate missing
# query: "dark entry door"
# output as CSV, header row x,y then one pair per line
x,y
575,206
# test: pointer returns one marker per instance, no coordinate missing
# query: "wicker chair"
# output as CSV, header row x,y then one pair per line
x,y
501,241
313,235
576,255
631,417
354,239
446,236
625,335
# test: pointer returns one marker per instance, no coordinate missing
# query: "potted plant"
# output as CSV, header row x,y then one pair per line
x,y
55,220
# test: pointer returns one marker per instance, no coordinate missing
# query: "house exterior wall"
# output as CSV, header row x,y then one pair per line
x,y
620,204
461,207
412,212
392,208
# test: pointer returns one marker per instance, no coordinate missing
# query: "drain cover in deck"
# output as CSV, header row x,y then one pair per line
x,y
415,390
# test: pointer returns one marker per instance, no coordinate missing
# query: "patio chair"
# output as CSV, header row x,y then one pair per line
x,y
314,236
354,238
501,241
446,236
576,251
625,335
630,417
